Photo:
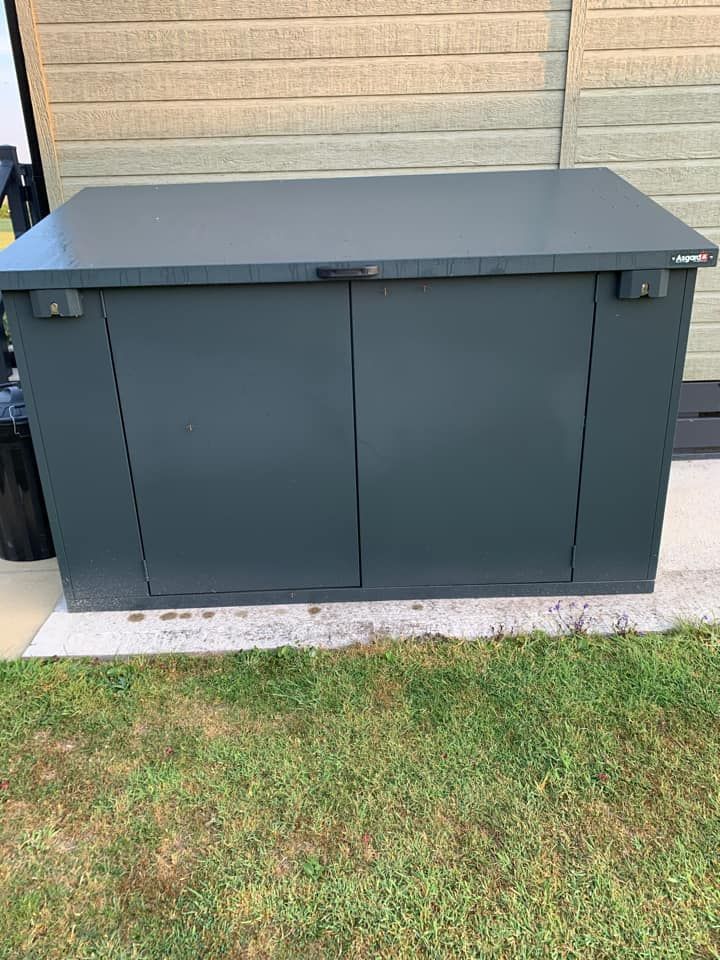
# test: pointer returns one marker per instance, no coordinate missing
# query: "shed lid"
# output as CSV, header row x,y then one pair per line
x,y
471,224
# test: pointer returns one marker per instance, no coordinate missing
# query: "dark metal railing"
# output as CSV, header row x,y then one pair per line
x,y
698,426
19,188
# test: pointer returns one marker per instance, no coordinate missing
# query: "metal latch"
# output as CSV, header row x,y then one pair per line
x,y
635,284
348,273
56,303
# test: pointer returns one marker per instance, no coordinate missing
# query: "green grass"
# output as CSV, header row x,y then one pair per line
x,y
522,798
6,233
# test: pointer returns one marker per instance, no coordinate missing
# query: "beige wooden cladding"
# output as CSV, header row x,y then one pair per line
x,y
651,111
101,11
107,84
305,39
229,154
650,68
171,90
160,89
309,115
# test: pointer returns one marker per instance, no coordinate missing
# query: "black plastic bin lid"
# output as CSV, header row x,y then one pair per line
x,y
13,416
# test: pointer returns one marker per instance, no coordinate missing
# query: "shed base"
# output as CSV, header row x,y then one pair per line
x,y
345,594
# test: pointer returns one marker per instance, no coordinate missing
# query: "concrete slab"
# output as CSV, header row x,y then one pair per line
x,y
688,588
691,531
28,594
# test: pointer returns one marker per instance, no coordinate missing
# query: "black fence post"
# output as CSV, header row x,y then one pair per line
x,y
6,357
13,188
18,186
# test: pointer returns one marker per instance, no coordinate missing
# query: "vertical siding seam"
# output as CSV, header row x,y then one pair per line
x,y
573,81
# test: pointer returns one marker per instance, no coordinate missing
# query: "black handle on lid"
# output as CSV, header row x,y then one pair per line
x,y
347,273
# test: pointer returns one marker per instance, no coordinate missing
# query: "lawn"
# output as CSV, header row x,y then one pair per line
x,y
521,798
6,233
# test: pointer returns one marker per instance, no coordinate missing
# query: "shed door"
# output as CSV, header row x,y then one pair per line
x,y
470,397
238,411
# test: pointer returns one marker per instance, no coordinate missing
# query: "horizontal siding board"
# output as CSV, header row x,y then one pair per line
x,y
654,105
92,83
705,337
708,281
74,184
700,211
92,11
651,68
674,141
636,4
666,178
702,366
303,39
255,154
211,118
706,309
630,29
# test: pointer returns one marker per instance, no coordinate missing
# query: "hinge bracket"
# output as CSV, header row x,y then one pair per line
x,y
56,303
635,284
573,549
145,570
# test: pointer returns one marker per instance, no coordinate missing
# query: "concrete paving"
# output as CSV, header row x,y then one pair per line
x,y
28,594
688,588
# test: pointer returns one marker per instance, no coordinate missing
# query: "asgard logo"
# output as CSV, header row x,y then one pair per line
x,y
703,257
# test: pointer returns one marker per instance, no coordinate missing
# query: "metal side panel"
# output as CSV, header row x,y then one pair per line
x,y
632,404
67,374
470,397
238,411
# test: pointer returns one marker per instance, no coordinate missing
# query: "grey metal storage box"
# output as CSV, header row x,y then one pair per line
x,y
381,387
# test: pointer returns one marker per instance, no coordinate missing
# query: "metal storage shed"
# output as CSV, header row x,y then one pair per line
x,y
338,389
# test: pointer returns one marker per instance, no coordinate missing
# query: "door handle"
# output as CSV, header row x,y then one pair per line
x,y
347,273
